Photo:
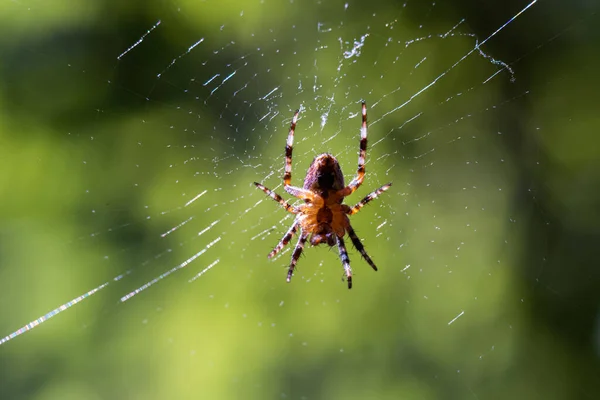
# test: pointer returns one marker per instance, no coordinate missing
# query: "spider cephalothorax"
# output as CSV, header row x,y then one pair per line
x,y
323,217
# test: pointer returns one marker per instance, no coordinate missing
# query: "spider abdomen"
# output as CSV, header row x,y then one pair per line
x,y
324,175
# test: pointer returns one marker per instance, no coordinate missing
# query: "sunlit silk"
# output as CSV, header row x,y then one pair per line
x,y
51,314
477,48
169,272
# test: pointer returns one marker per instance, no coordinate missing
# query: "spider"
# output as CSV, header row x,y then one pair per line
x,y
323,217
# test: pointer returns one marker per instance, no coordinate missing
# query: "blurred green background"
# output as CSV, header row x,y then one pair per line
x,y
114,116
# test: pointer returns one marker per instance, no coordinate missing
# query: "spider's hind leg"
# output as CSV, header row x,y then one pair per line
x,y
285,239
345,260
296,255
359,246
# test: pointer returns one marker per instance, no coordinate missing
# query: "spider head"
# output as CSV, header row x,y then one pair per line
x,y
325,235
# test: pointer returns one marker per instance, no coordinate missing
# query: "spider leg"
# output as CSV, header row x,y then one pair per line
x,y
360,172
284,240
277,198
371,196
359,246
345,261
287,176
300,193
296,255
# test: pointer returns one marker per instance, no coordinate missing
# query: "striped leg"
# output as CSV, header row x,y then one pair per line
x,y
360,173
285,240
277,198
359,246
296,255
345,261
287,176
368,198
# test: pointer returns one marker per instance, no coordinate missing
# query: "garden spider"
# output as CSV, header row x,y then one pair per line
x,y
323,217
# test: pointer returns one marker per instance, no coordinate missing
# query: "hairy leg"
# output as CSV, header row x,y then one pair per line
x,y
371,196
296,255
345,261
359,246
362,154
277,198
285,239
287,176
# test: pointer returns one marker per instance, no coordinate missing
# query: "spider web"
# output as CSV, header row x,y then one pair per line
x,y
135,243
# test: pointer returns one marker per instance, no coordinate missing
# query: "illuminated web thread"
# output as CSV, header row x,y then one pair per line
x,y
223,82
355,51
455,318
180,56
203,231
51,314
199,274
169,272
270,93
173,229
476,48
185,222
195,198
140,40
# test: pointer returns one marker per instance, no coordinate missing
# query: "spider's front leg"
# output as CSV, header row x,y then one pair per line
x,y
362,154
371,196
288,207
287,175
